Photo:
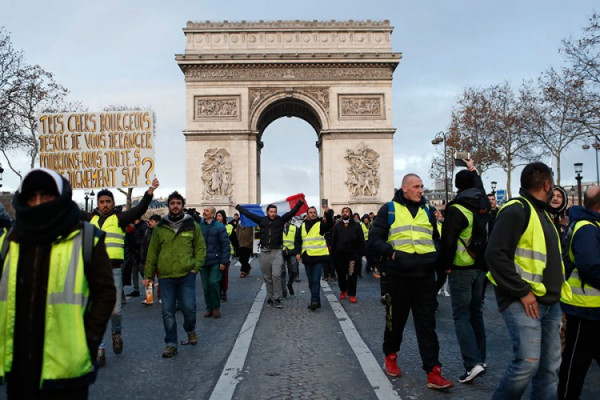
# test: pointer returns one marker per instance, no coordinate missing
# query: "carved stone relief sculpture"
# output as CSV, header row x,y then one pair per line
x,y
216,107
360,107
216,174
363,171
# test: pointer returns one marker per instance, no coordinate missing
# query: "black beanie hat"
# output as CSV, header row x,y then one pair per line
x,y
464,180
41,179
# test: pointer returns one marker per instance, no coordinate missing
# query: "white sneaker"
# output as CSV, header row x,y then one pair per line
x,y
469,376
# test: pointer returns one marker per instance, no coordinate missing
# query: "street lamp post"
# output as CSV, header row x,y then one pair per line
x,y
1,172
596,146
494,183
439,138
92,194
578,170
87,198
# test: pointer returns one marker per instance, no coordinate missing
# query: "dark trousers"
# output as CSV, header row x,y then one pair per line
x,y
346,281
224,282
245,253
581,347
328,269
419,296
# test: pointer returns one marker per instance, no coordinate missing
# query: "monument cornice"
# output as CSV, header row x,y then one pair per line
x,y
308,58
286,25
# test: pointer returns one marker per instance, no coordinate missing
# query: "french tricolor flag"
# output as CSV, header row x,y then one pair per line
x,y
283,206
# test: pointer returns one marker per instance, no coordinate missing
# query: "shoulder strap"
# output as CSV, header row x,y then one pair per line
x,y
87,239
391,213
4,250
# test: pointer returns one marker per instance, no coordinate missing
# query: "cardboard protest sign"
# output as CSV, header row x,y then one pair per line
x,y
112,149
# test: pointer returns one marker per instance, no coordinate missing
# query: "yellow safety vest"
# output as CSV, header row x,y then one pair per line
x,y
462,258
115,237
411,235
229,229
65,352
530,256
288,238
313,243
365,230
583,295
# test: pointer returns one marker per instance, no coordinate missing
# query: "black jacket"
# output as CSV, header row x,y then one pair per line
x,y
348,239
509,226
271,230
404,265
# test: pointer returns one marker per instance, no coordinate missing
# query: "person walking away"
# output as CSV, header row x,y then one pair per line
x,y
113,220
218,251
271,243
245,236
56,293
464,233
405,236
525,262
347,249
583,309
314,251
136,238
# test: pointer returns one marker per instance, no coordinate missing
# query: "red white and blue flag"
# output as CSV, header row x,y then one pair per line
x,y
283,206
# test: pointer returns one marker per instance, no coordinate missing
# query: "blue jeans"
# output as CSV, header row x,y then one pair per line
x,y
466,291
117,313
183,291
313,274
536,347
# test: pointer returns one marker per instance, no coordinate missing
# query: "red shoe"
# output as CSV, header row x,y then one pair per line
x,y
352,299
391,366
435,380
342,295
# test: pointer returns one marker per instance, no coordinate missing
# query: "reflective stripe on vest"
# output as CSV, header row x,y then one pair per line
x,y
583,295
313,244
411,235
530,255
229,229
365,230
288,238
115,237
462,257
65,353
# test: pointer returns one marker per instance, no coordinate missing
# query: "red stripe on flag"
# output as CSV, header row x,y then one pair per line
x,y
293,200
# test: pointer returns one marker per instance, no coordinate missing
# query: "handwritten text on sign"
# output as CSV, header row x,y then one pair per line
x,y
100,149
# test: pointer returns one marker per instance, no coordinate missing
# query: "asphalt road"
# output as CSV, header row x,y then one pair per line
x,y
255,351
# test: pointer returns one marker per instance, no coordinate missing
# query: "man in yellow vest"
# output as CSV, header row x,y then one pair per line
x,y
525,262
290,248
583,310
314,251
405,236
113,221
464,215
56,294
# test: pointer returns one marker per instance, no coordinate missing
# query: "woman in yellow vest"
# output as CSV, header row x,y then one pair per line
x,y
54,306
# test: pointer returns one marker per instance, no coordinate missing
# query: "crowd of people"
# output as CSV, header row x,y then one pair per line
x,y
65,272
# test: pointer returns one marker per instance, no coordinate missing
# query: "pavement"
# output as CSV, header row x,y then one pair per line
x,y
255,351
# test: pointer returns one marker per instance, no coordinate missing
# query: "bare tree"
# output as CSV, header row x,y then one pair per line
x,y
508,131
553,113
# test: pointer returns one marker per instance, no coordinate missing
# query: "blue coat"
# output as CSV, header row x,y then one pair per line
x,y
217,243
586,249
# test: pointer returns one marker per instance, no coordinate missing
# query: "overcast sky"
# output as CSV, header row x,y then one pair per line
x,y
122,52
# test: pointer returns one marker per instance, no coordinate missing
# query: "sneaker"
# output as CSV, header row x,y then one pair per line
x,y
391,365
314,306
435,380
192,338
290,289
278,303
270,302
471,374
101,358
135,293
117,342
216,313
144,302
352,299
169,352
342,295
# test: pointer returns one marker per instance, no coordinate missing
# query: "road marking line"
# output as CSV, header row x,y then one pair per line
x,y
231,374
382,386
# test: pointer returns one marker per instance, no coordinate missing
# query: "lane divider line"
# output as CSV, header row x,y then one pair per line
x,y
384,390
232,372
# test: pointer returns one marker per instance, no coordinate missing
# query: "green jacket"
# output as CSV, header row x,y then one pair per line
x,y
175,254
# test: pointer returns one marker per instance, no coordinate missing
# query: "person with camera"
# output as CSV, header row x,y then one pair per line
x,y
463,243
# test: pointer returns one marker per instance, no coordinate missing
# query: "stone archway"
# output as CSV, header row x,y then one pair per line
x,y
241,76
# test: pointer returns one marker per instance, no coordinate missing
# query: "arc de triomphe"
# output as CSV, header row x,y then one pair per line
x,y
336,75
